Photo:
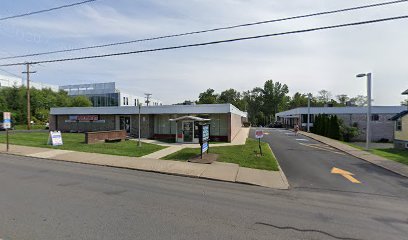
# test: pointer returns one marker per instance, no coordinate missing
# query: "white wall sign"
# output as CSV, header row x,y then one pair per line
x,y
55,138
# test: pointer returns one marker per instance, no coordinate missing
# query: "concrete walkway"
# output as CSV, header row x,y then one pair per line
x,y
217,171
240,139
390,165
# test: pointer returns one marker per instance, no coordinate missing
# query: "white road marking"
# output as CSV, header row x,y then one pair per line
x,y
301,139
322,147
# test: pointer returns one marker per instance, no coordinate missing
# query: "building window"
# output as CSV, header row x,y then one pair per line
x,y
127,101
398,124
124,101
375,117
135,102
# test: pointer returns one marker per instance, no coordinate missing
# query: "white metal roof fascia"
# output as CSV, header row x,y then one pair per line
x,y
167,109
343,110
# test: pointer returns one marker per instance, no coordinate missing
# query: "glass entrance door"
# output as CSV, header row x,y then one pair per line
x,y
188,131
124,123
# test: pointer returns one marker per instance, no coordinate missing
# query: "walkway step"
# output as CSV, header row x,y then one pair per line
x,y
164,152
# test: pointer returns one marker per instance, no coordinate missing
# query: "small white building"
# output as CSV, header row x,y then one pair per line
x,y
10,81
381,125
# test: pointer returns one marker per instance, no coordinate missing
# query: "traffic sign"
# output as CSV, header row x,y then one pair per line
x,y
259,134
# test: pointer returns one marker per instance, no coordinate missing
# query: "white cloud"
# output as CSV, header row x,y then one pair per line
x,y
306,62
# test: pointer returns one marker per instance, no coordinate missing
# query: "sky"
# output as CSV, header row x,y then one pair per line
x,y
306,62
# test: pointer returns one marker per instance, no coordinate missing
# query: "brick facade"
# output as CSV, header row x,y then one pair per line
x,y
95,137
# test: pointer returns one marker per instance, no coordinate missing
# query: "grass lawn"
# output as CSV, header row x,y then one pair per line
x,y
33,127
398,155
76,142
244,156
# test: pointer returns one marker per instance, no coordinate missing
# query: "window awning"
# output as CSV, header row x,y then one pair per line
x,y
197,119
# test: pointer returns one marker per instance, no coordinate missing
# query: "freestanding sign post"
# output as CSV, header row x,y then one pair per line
x,y
7,125
259,134
204,138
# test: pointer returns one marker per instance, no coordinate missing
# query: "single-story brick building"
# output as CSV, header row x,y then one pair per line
x,y
225,119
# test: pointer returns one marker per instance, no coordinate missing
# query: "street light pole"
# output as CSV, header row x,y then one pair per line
x,y
368,127
308,112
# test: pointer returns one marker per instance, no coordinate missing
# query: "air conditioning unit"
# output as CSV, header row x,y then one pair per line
x,y
406,145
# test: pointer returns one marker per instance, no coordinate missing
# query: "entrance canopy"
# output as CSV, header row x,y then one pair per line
x,y
192,118
187,128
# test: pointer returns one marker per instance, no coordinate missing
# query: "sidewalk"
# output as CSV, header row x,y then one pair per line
x,y
390,165
240,139
228,172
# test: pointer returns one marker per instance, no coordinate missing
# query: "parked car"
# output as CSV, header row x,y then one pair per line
x,y
277,125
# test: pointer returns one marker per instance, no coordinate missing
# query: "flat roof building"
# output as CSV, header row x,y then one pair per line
x,y
107,95
10,81
179,122
382,126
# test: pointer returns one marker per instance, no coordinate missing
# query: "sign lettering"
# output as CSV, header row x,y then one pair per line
x,y
6,120
204,147
55,138
84,118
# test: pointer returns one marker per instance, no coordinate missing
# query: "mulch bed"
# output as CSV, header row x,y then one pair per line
x,y
207,158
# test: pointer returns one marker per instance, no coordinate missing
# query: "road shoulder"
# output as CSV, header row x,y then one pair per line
x,y
220,171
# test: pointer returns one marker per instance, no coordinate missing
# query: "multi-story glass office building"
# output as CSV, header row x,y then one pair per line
x,y
107,95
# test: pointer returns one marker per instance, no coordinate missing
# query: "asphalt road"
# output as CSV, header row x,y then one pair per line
x,y
44,199
307,164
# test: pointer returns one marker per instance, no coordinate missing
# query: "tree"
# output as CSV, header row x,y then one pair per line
x,y
233,97
360,101
207,97
186,102
253,102
324,96
80,101
404,103
343,98
298,100
274,96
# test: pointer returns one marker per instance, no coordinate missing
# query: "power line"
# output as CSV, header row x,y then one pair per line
x,y
13,74
211,43
205,31
46,10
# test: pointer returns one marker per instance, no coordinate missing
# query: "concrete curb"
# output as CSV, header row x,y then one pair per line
x,y
283,176
384,163
168,168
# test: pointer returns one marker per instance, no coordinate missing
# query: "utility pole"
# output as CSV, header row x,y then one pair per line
x,y
139,142
28,95
308,111
148,98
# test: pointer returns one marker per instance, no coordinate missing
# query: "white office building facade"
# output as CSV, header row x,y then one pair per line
x,y
107,95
